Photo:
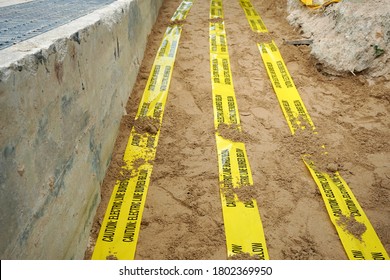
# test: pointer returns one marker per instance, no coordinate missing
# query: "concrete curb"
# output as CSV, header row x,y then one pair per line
x,y
62,96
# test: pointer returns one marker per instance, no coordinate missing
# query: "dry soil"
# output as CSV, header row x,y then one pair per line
x,y
182,217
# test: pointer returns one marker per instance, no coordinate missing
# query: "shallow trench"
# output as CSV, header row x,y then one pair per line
x,y
183,217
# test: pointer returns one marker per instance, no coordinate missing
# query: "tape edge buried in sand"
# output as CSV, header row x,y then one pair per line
x,y
119,232
243,227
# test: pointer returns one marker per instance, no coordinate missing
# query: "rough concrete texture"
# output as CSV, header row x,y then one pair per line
x,y
350,36
62,95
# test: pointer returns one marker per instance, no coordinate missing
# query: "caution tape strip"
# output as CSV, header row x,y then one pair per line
x,y
254,19
120,228
216,10
183,10
342,206
243,226
348,217
290,101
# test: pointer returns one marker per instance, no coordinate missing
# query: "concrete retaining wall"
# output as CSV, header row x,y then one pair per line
x,y
62,95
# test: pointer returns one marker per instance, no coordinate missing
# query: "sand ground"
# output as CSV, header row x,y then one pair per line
x,y
183,217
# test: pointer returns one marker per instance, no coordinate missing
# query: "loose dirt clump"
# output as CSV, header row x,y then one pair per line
x,y
177,22
146,125
246,193
310,145
243,193
233,132
352,226
111,257
230,132
216,20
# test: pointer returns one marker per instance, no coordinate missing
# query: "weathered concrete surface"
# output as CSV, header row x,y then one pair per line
x,y
62,95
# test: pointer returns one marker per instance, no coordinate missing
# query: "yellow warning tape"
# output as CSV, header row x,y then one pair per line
x,y
243,226
290,101
357,235
216,10
342,206
307,2
254,19
315,5
120,228
183,10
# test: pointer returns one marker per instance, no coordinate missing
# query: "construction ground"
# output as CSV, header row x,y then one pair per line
x,y
339,62
182,217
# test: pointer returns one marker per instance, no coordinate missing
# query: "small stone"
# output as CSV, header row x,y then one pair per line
x,y
21,170
332,167
152,129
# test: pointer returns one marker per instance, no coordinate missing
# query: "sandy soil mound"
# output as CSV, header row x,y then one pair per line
x,y
350,36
